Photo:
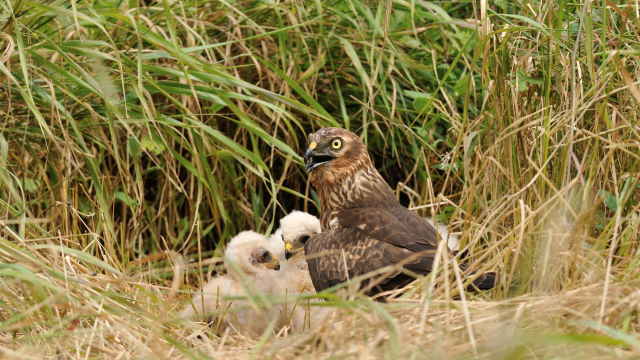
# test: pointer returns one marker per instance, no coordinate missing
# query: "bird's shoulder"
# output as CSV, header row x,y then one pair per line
x,y
414,222
337,238
343,253
390,226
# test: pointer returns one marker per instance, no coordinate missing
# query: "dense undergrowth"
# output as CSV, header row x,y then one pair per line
x,y
137,137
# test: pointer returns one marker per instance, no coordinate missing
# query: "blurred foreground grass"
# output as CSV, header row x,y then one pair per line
x,y
137,137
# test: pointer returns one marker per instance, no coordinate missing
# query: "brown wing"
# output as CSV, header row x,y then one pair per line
x,y
403,229
415,223
383,225
341,254
418,226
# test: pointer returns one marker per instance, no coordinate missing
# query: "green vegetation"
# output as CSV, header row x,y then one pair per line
x,y
137,137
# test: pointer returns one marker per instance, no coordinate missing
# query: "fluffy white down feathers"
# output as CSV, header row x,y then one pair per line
x,y
295,270
247,274
244,253
453,242
277,245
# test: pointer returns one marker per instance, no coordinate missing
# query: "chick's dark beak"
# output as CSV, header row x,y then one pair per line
x,y
273,264
287,250
270,261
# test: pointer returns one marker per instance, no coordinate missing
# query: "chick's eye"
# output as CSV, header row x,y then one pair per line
x,y
265,256
304,239
336,144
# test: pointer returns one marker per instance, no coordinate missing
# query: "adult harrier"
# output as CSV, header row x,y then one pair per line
x,y
364,227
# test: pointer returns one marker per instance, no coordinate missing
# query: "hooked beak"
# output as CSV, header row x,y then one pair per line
x,y
289,251
273,265
312,159
288,246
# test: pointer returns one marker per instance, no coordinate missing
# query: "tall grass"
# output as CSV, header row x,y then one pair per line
x,y
137,137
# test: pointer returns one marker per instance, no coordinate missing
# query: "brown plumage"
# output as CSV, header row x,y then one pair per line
x,y
364,226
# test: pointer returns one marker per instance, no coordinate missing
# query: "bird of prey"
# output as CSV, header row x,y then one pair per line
x,y
364,226
298,226
294,272
250,264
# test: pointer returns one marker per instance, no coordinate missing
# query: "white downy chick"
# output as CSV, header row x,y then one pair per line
x,y
250,253
453,242
298,226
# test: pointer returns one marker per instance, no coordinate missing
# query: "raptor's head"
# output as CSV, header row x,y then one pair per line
x,y
333,149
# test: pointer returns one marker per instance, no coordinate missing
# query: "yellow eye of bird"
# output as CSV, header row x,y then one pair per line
x,y
336,144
